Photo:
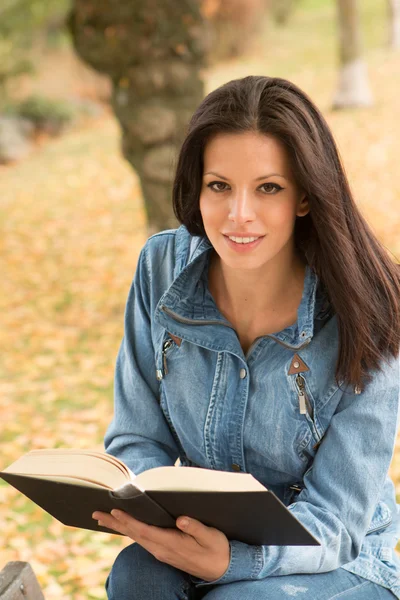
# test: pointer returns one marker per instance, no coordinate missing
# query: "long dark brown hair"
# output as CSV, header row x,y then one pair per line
x,y
360,279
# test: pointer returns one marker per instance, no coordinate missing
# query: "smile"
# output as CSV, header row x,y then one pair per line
x,y
243,240
243,244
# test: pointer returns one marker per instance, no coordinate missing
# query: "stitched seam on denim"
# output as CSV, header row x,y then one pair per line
x,y
185,589
165,409
257,558
374,572
322,405
258,348
303,445
258,562
230,567
171,232
214,391
383,521
201,342
310,304
240,431
356,587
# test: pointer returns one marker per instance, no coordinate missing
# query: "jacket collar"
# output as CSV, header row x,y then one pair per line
x,y
188,304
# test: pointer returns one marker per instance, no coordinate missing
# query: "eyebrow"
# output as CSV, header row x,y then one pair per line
x,y
257,178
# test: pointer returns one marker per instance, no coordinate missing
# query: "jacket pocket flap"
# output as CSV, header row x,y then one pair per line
x,y
381,518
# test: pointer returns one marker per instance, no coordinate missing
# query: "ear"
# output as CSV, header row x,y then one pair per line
x,y
303,207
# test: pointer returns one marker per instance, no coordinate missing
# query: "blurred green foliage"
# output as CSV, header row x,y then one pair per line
x,y
22,24
45,114
30,15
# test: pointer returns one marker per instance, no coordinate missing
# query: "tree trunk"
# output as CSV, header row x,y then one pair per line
x,y
353,86
153,51
394,24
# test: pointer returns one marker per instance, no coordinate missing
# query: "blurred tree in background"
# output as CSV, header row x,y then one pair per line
x,y
22,23
353,87
153,52
394,23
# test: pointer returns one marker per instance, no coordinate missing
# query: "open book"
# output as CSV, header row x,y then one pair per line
x,y
71,484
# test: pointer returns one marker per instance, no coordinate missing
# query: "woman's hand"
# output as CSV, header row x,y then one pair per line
x,y
196,549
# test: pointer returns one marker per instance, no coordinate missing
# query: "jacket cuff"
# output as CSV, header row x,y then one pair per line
x,y
246,562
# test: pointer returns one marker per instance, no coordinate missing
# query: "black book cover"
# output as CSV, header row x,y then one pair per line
x,y
250,517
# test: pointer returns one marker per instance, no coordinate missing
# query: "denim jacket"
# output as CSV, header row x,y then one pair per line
x,y
185,389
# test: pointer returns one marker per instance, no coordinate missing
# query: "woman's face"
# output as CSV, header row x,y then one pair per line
x,y
248,191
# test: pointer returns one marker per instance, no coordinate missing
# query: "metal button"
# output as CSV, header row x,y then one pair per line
x,y
296,364
242,373
236,467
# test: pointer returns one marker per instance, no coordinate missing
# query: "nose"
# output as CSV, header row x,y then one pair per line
x,y
242,209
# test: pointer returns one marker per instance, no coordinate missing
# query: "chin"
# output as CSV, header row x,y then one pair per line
x,y
244,263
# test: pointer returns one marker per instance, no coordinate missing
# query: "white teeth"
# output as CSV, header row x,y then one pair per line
x,y
245,240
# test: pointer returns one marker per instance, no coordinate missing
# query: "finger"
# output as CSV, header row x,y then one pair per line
x,y
116,517
116,514
203,534
161,542
107,520
148,536
99,515
131,524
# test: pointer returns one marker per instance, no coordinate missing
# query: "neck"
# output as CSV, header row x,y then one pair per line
x,y
271,288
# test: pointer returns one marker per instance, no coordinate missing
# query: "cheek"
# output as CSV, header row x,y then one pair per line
x,y
210,210
281,216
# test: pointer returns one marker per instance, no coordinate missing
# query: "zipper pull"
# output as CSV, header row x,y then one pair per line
x,y
167,344
302,404
302,397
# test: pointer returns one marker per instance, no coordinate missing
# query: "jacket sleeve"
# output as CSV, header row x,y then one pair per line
x,y
139,434
341,489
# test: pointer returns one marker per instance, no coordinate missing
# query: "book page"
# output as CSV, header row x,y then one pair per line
x,y
196,479
94,468
72,480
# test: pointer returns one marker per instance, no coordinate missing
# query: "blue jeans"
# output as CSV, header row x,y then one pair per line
x,y
137,575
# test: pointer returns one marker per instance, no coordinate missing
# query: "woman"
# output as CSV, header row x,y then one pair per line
x,y
263,336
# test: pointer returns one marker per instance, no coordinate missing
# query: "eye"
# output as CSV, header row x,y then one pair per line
x,y
216,183
275,188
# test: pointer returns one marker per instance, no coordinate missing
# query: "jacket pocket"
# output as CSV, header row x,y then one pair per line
x,y
381,518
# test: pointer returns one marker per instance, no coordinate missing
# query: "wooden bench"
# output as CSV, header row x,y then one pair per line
x,y
18,582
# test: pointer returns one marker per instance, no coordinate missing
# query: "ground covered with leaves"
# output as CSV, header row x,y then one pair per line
x,y
72,224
